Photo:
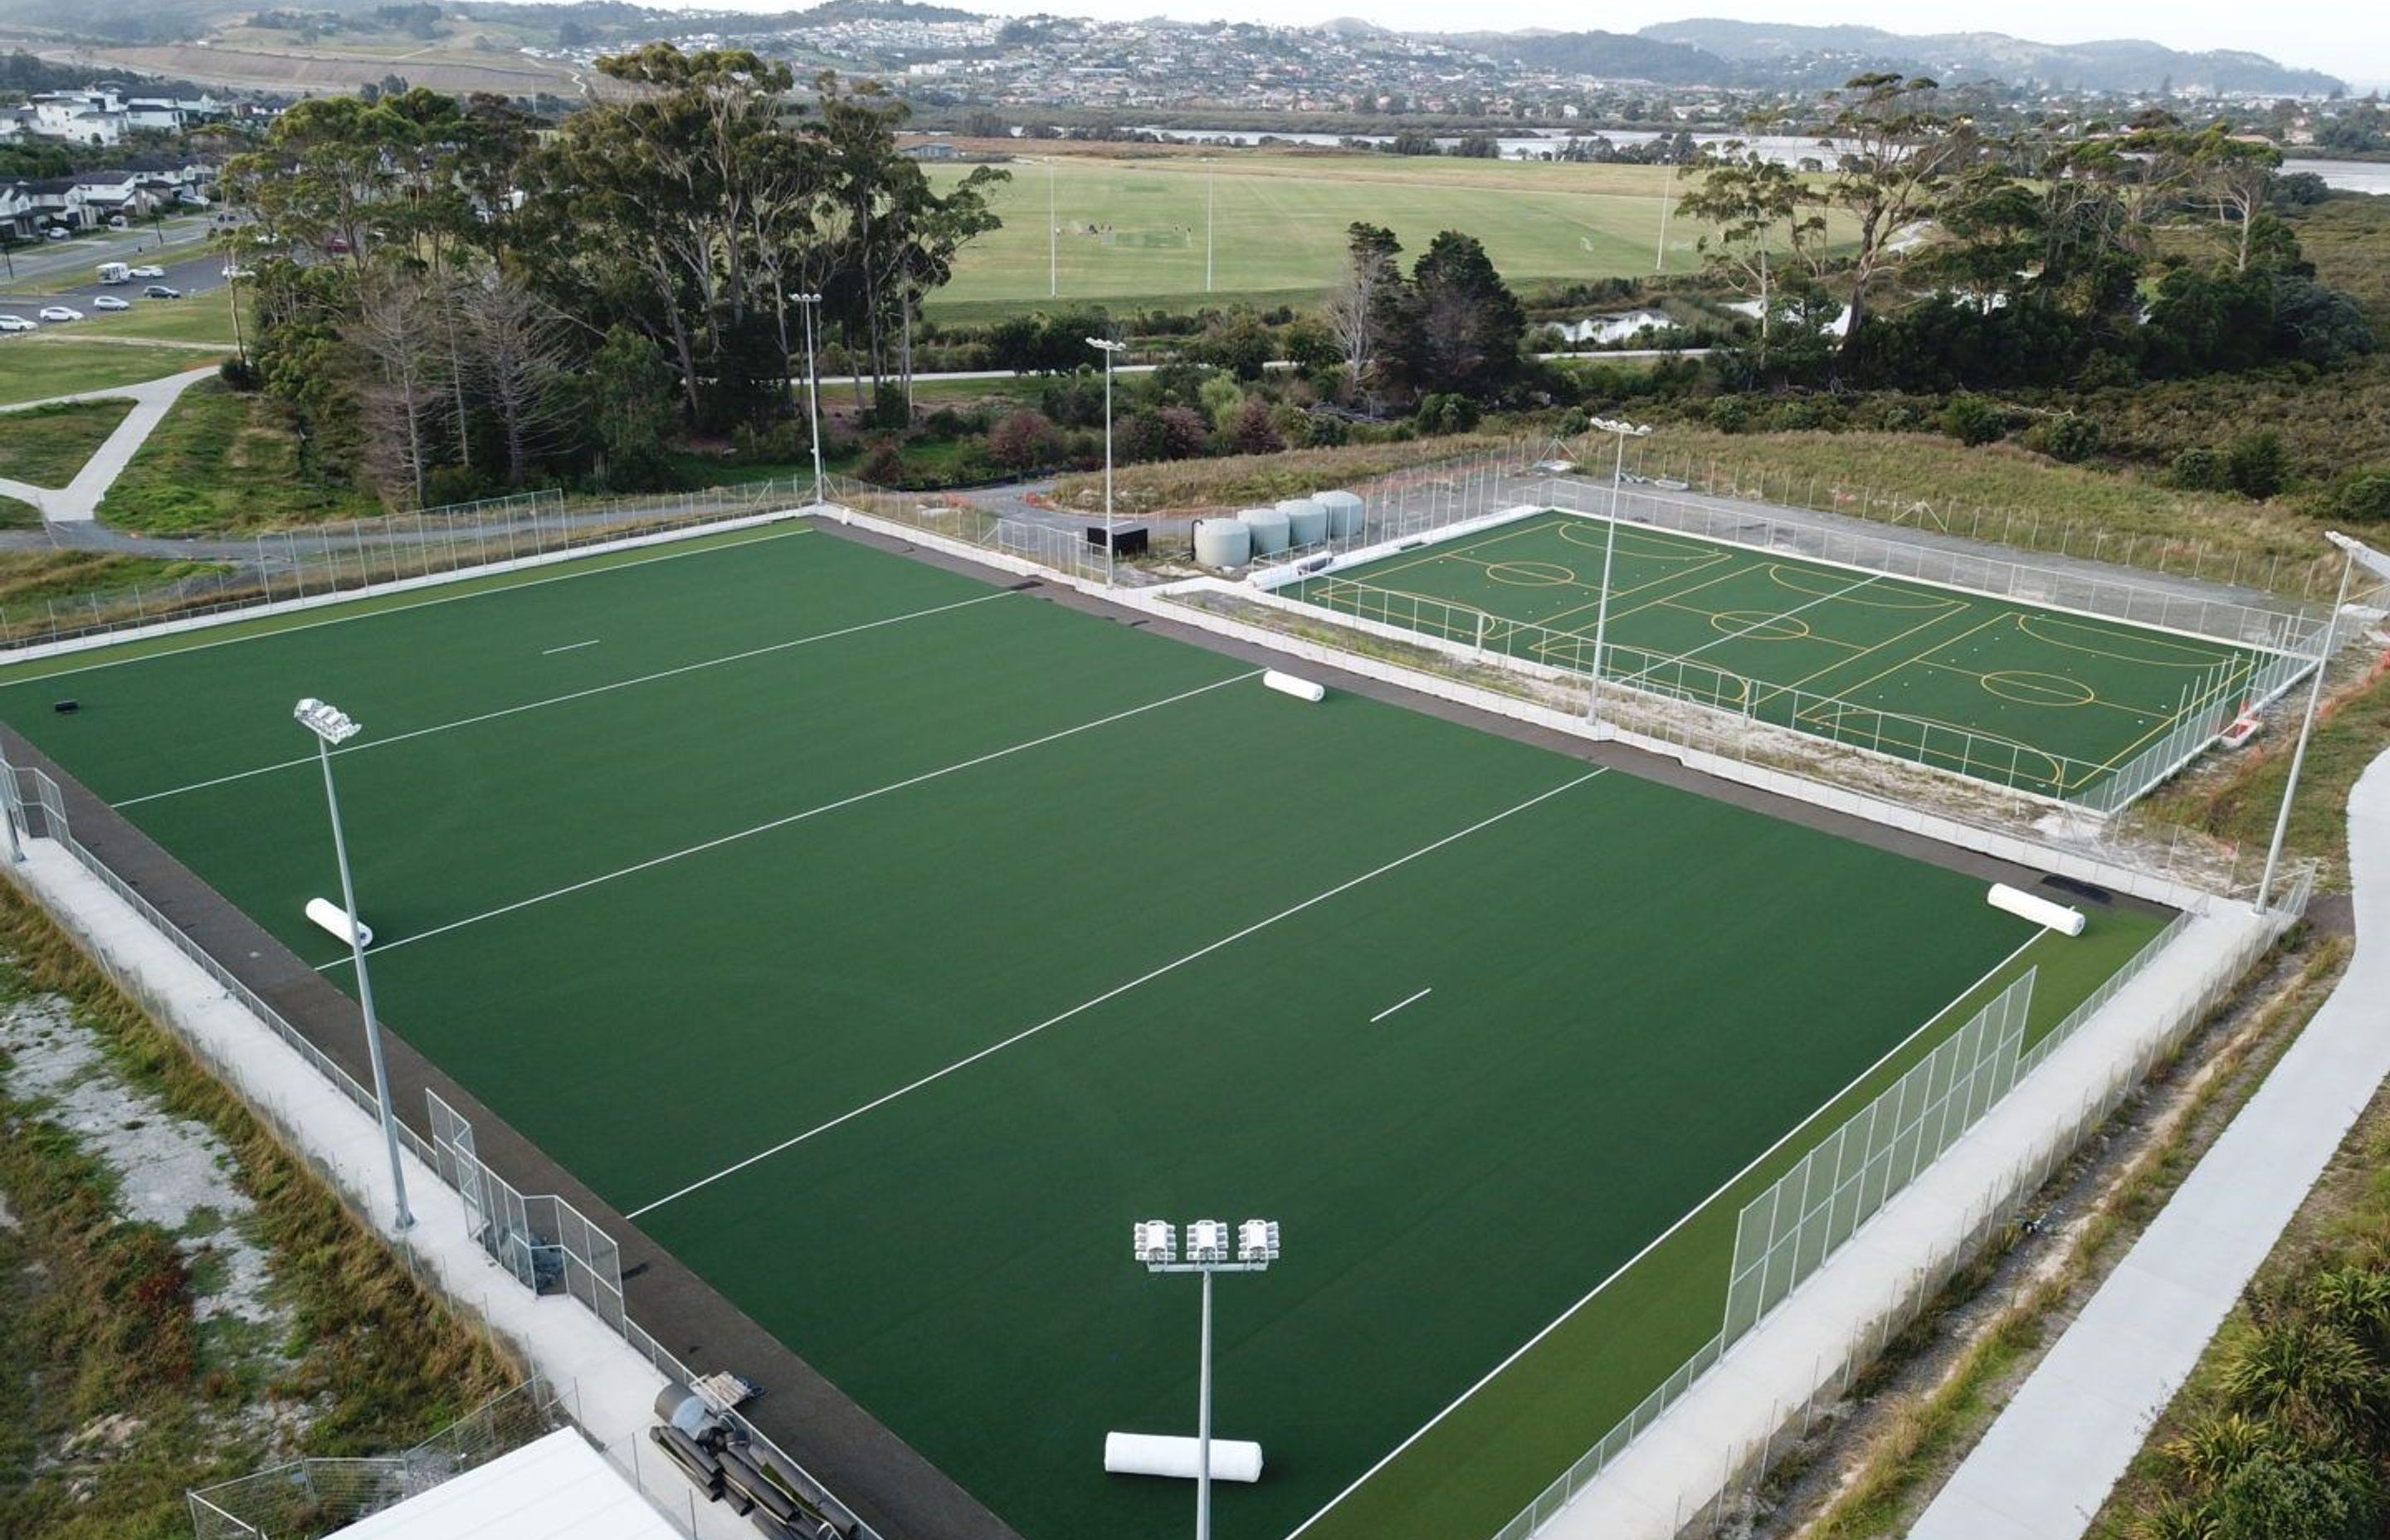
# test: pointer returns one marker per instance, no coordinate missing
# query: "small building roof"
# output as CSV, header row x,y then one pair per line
x,y
555,1488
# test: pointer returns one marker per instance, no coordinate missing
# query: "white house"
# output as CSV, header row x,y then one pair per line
x,y
79,117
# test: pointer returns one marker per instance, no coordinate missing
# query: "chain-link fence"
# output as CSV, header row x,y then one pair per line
x,y
358,557
303,1498
1786,1233
2296,570
1833,1184
551,1247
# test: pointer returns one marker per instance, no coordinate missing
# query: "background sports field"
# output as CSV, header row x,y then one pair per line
x,y
2046,702
1134,229
885,941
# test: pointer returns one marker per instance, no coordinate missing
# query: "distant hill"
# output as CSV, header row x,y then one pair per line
x,y
1610,55
1769,48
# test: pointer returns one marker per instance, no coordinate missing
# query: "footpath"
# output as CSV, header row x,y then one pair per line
x,y
2047,1463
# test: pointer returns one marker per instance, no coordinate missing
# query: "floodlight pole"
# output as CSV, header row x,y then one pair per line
x,y
1208,179
1203,1422
807,303
1249,1258
1108,348
405,1217
1623,431
2307,725
1053,237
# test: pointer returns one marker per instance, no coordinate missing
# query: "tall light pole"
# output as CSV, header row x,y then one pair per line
x,y
1625,430
809,303
330,724
2352,552
1660,255
1053,238
1108,348
1156,1242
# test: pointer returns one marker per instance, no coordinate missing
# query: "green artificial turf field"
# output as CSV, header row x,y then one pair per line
x,y
884,942
2048,702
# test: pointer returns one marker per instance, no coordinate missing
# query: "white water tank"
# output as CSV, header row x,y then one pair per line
x,y
1307,520
1269,527
1223,543
1344,513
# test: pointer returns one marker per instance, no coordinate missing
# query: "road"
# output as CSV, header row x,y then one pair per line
x,y
66,271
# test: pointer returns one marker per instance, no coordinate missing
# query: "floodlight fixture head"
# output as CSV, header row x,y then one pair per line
x,y
1616,425
1257,1242
805,298
1207,1240
1106,344
2367,557
326,722
1156,1242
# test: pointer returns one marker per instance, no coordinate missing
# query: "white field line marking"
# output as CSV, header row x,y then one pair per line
x,y
1114,993
399,608
572,646
1400,1004
732,838
570,695
1794,1131
1736,636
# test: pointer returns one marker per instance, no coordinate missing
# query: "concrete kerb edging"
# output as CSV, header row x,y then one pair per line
x,y
608,1387
397,585
1699,1446
2007,847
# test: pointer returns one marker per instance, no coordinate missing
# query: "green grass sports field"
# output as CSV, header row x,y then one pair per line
x,y
883,942
1134,230
2048,702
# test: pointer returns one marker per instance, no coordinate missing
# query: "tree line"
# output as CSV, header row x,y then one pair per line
x,y
459,298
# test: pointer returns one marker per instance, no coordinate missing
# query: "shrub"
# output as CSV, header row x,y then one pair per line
x,y
1025,440
2359,496
1729,414
1972,420
238,372
2067,438
2257,466
1252,432
883,467
2198,468
1447,413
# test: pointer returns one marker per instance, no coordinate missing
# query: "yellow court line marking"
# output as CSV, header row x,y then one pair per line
x,y
2057,776
1979,675
1956,606
2198,658
1776,570
1659,548
1714,616
2170,721
1845,692
1435,553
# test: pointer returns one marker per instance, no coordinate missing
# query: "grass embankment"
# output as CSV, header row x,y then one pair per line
x,y
1923,1432
2239,799
2002,493
45,446
34,368
2281,1430
18,514
31,580
1193,486
223,461
98,1331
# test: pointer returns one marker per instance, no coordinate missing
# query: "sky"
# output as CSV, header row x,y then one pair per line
x,y
2348,38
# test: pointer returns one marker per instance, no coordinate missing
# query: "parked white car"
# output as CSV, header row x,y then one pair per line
x,y
60,313
109,302
18,323
149,272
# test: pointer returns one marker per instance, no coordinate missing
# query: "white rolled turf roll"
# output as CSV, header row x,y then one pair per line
x,y
1287,684
1233,1459
332,917
2041,911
